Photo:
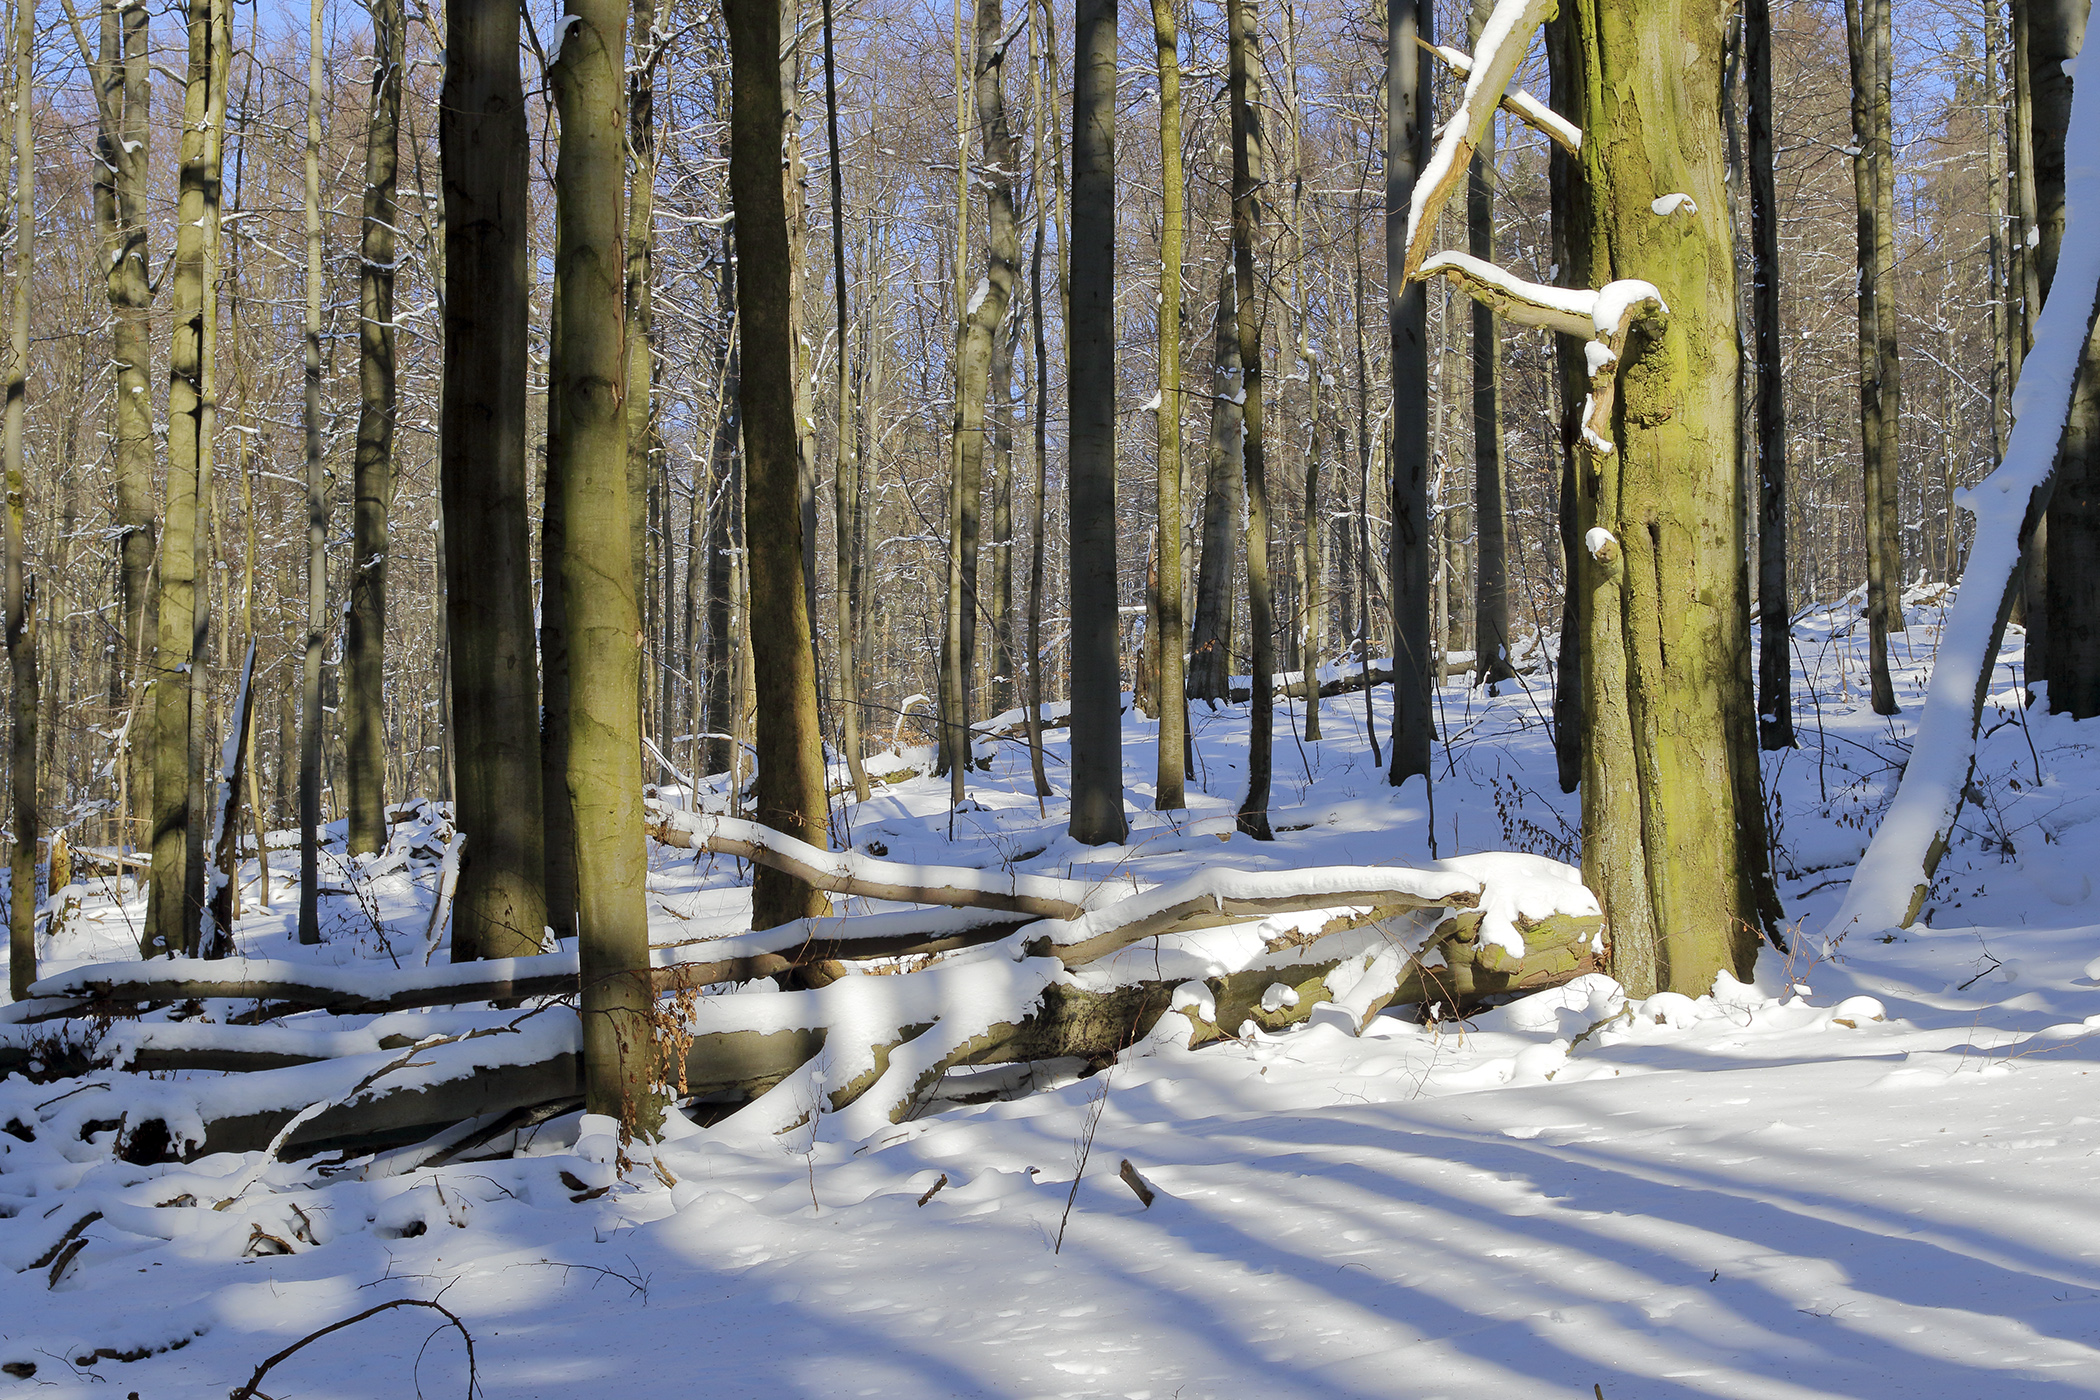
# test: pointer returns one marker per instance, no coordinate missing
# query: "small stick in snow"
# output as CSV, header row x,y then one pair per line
x,y
933,1189
1136,1183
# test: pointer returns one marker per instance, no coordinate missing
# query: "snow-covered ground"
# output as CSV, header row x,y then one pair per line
x,y
1872,1174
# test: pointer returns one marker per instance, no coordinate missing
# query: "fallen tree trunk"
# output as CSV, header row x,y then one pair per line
x,y
848,872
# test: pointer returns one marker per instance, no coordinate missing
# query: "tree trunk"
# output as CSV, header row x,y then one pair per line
x,y
364,633
791,795
558,811
2071,659
124,107
1569,195
638,292
1172,775
1210,646
1247,170
1873,192
316,516
172,911
845,464
1406,149
1491,520
1775,705
588,462
1097,724
1673,823
20,601
500,909
1038,26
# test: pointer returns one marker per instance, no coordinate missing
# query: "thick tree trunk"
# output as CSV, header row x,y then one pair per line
x,y
558,811
1097,723
1673,822
124,98
501,909
791,795
1406,149
2071,658
364,635
1210,646
1775,705
172,912
1172,682
20,601
316,638
588,464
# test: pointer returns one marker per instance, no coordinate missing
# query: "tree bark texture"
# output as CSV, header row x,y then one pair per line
x,y
1247,169
1673,822
791,795
1097,724
1775,704
20,601
364,627
1210,645
316,638
589,466
500,910
2071,658
1172,685
1406,149
1491,665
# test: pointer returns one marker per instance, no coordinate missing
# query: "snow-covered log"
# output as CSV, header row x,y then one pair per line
x,y
1893,878
848,872
1215,897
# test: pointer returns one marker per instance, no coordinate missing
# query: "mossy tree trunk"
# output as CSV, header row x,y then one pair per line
x,y
1673,824
500,909
364,633
588,465
172,911
790,795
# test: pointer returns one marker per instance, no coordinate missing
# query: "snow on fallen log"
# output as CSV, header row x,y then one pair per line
x,y
849,872
1893,878
1222,896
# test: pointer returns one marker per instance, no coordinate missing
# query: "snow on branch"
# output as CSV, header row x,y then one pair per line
x,y
1891,882
1620,308
1517,102
1564,309
1503,42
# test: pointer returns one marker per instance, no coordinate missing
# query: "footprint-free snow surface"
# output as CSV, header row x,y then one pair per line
x,y
1870,1174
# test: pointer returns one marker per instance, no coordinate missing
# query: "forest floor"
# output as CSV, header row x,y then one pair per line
x,y
1766,1194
